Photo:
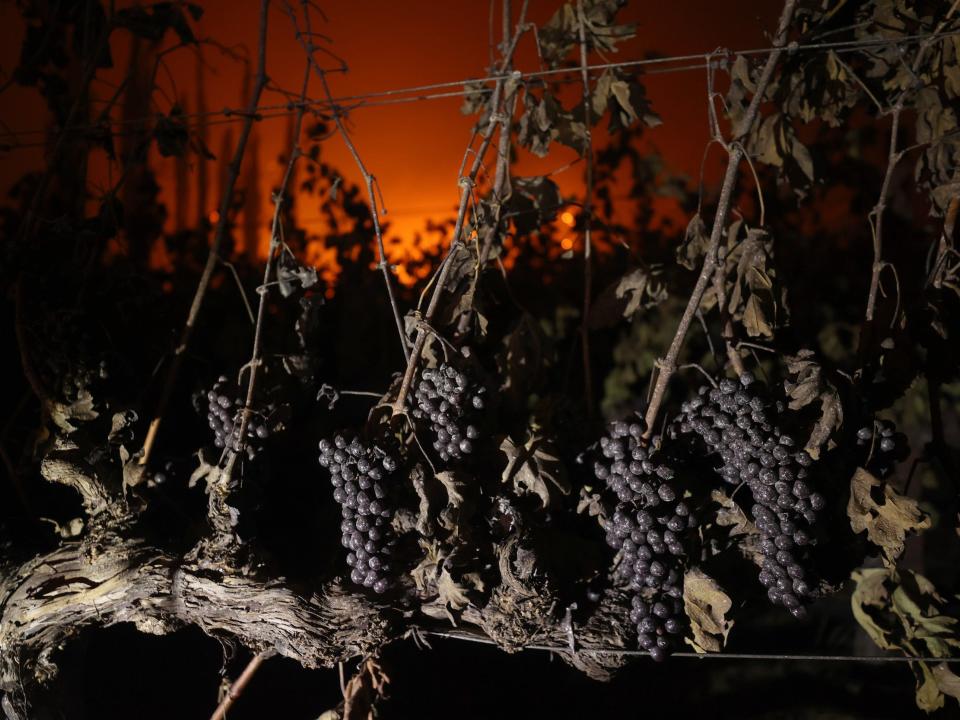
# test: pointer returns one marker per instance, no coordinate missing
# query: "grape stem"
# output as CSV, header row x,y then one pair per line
x,y
668,364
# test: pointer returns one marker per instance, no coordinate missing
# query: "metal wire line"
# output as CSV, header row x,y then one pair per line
x,y
700,656
386,97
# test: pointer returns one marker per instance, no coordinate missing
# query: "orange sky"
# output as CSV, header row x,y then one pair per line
x,y
414,149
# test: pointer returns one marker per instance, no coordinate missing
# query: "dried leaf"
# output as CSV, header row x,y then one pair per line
x,y
80,409
452,593
425,573
803,158
947,682
831,418
886,524
694,243
732,515
755,320
804,387
641,288
902,611
929,697
871,591
591,504
706,605
457,504
534,468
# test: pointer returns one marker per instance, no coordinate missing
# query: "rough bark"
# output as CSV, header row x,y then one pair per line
x,y
111,576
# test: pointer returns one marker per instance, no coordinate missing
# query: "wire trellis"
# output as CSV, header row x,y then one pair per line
x,y
348,103
625,652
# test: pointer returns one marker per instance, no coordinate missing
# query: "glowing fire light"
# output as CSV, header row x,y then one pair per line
x,y
568,218
214,217
566,244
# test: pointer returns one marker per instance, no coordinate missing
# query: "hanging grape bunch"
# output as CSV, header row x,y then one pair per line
x,y
648,529
447,398
736,423
885,447
224,412
360,474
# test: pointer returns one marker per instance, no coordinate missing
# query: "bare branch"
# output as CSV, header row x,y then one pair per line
x,y
893,158
668,364
587,153
217,509
240,684
221,230
467,183
368,178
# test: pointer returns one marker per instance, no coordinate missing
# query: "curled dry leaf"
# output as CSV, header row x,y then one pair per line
x,y
453,594
947,682
887,524
457,502
706,605
805,386
640,289
71,529
731,515
364,691
903,611
81,409
591,503
694,243
534,468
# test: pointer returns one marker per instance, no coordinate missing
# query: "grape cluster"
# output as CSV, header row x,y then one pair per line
x,y
886,447
648,529
447,399
359,473
737,423
224,411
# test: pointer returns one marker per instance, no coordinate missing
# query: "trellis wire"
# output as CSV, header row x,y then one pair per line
x,y
266,112
624,652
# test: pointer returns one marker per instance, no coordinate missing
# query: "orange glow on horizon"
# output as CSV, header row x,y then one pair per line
x,y
414,148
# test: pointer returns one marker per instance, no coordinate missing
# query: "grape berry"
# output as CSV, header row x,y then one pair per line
x,y
736,423
224,411
447,399
648,529
359,474
885,446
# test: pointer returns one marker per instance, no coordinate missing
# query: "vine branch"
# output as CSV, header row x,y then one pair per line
x,y
218,511
240,684
368,178
221,230
668,364
894,156
587,153
467,183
